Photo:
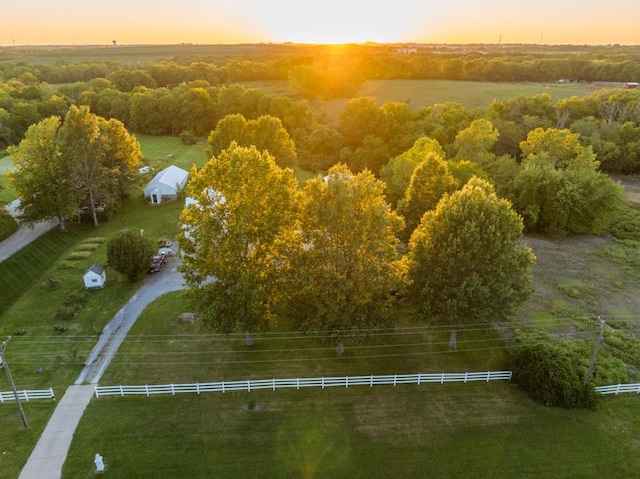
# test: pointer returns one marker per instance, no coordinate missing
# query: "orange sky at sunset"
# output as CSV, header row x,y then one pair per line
x,y
63,22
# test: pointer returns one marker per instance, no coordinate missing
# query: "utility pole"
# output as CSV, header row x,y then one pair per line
x,y
595,351
3,362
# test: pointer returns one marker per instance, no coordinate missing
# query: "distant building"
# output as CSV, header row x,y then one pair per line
x,y
406,50
631,84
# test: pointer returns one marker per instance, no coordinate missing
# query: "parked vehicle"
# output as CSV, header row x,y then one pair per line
x,y
157,262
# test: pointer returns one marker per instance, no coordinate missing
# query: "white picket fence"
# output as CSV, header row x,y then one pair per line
x,y
619,388
27,395
297,383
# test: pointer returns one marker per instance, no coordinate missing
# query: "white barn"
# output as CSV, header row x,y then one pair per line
x,y
166,185
95,277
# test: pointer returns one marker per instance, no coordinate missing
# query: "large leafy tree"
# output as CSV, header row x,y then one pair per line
x,y
42,176
265,133
129,254
60,167
235,235
467,264
430,181
347,262
558,188
397,173
102,154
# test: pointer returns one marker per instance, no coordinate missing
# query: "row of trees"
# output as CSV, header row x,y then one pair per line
x,y
328,252
473,62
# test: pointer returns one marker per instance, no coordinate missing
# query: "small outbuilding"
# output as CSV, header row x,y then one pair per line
x,y
95,277
632,85
166,185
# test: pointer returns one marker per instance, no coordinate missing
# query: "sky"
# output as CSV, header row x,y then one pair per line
x,y
74,22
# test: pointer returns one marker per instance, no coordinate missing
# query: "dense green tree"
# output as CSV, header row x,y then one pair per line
x,y
320,149
155,112
234,236
102,155
475,142
265,133
129,253
42,176
558,188
430,181
359,118
398,171
347,263
466,260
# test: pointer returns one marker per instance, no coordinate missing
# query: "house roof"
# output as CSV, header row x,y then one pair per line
x,y
95,268
170,176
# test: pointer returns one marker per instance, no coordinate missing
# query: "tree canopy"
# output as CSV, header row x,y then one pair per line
x,y
234,232
466,261
346,264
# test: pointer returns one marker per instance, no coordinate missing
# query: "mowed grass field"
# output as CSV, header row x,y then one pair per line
x,y
433,430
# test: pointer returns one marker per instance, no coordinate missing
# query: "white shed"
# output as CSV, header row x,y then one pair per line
x,y
95,277
166,185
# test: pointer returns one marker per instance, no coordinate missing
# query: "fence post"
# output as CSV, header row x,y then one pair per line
x,y
617,389
466,375
371,381
322,382
249,385
419,377
638,391
274,383
488,375
95,389
146,389
223,387
173,391
395,378
346,381
121,391
297,383
53,396
442,378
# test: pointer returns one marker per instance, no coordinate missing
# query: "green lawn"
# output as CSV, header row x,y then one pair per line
x,y
162,151
461,431
451,430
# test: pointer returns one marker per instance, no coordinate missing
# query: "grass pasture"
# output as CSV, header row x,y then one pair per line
x,y
451,430
472,95
161,151
462,431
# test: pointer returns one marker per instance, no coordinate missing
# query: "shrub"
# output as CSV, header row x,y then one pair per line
x,y
188,138
66,311
60,329
129,254
548,373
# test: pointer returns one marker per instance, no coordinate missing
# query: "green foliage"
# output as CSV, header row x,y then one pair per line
x,y
129,254
235,233
558,189
397,173
624,346
547,372
188,138
8,225
466,261
265,133
430,181
346,263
